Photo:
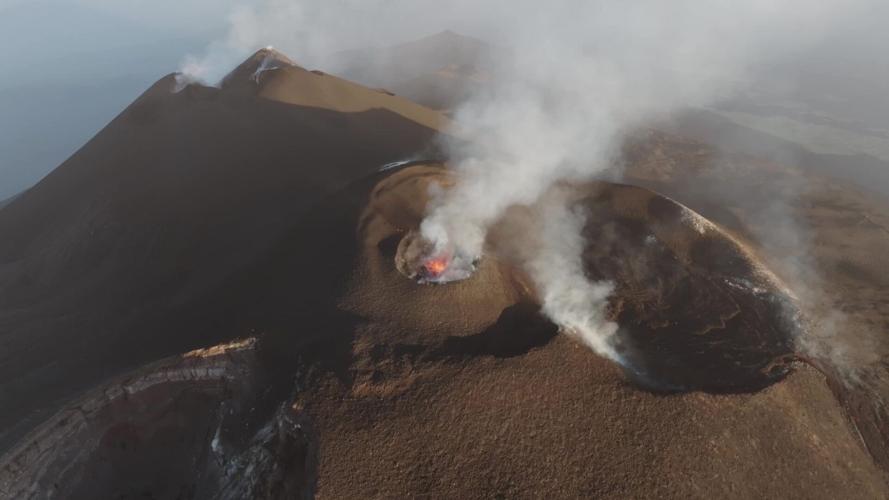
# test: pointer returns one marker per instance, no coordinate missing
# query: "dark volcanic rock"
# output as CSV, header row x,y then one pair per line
x,y
120,255
697,310
188,427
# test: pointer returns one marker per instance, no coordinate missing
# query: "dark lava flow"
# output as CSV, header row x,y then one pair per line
x,y
696,311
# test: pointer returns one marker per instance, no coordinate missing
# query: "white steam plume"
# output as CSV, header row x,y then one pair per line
x,y
571,300
579,74
580,77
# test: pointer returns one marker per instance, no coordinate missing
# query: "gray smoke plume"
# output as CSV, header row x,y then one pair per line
x,y
578,75
547,241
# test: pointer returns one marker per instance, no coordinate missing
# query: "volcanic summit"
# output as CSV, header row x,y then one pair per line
x,y
209,300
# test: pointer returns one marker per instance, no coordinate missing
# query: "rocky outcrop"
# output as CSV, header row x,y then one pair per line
x,y
183,426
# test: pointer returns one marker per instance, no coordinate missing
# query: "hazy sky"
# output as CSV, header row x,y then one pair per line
x,y
69,66
185,14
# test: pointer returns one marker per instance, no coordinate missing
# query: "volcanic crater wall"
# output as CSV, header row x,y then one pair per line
x,y
171,429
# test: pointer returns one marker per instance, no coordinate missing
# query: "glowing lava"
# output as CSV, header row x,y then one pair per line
x,y
420,260
435,267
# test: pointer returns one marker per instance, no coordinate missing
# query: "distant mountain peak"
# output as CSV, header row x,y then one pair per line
x,y
443,39
448,33
262,61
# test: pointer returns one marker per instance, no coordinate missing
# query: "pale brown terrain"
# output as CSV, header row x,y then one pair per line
x,y
258,211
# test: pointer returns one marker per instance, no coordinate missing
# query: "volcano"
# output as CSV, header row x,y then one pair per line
x,y
208,300
158,213
423,261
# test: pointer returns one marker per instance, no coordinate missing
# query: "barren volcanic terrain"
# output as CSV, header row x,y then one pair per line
x,y
204,302
104,262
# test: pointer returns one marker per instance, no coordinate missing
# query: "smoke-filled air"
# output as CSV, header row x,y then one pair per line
x,y
575,76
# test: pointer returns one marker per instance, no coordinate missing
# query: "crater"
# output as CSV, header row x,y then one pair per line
x,y
696,310
426,262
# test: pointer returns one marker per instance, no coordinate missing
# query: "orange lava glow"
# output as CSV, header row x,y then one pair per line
x,y
436,266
